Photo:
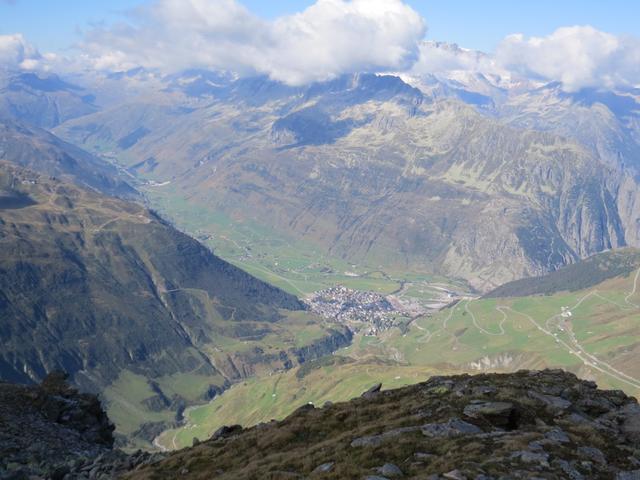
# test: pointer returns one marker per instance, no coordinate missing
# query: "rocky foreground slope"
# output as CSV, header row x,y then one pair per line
x,y
53,431
545,425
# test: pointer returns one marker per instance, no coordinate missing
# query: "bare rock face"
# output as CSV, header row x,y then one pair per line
x,y
50,424
52,431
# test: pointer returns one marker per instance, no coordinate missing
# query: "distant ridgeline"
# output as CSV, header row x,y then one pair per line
x,y
574,277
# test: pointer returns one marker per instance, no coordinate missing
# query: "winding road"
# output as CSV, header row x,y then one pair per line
x,y
573,345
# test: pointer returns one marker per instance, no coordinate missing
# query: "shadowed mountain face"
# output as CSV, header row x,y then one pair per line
x,y
372,170
42,100
36,149
94,285
579,276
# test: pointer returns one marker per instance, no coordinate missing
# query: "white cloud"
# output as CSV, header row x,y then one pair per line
x,y
17,53
329,38
446,59
579,57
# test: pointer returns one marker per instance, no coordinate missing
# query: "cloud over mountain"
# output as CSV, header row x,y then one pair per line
x,y
327,39
446,58
579,56
16,52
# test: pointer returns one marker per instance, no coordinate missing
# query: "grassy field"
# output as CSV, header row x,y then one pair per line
x,y
594,332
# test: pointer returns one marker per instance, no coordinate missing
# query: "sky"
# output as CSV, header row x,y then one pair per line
x,y
578,43
55,25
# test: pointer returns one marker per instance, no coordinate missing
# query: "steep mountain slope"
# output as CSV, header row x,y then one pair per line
x,y
590,272
107,291
42,100
38,150
371,170
526,425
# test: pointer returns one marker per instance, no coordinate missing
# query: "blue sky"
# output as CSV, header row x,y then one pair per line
x,y
54,25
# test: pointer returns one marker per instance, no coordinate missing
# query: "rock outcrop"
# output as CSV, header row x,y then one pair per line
x,y
44,427
51,431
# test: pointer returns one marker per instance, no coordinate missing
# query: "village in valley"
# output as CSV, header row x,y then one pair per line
x,y
371,312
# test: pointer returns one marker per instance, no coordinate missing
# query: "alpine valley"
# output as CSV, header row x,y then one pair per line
x,y
201,249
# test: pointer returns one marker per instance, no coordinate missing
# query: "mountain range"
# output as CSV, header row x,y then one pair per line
x,y
42,100
473,181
